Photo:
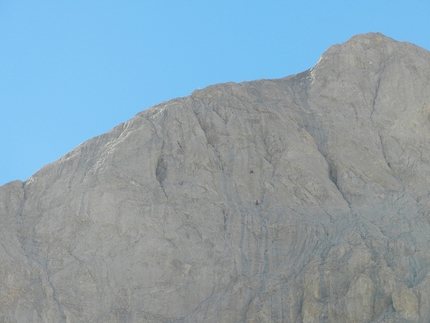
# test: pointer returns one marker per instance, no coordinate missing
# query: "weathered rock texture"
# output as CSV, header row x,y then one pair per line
x,y
157,221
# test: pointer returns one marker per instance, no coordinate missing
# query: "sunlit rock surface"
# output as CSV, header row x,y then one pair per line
x,y
302,199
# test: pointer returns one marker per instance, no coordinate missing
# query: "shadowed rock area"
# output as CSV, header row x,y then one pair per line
x,y
158,221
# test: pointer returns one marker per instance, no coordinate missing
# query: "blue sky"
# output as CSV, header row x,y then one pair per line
x,y
71,70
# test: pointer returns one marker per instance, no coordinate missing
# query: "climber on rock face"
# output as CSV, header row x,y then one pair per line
x,y
256,202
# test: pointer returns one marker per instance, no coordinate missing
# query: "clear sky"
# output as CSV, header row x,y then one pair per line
x,y
71,70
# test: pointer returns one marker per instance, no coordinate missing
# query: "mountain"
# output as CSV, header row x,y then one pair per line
x,y
301,199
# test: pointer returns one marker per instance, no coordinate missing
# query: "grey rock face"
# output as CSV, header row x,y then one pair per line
x,y
158,220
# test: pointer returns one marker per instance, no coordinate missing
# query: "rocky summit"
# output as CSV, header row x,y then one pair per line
x,y
301,199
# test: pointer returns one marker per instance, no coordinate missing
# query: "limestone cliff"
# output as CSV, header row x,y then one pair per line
x,y
302,199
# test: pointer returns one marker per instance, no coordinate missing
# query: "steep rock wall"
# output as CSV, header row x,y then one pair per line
x,y
158,220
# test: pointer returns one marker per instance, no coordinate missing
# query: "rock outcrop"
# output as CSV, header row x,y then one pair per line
x,y
302,199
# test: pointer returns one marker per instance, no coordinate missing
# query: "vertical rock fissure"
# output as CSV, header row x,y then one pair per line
x,y
320,138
